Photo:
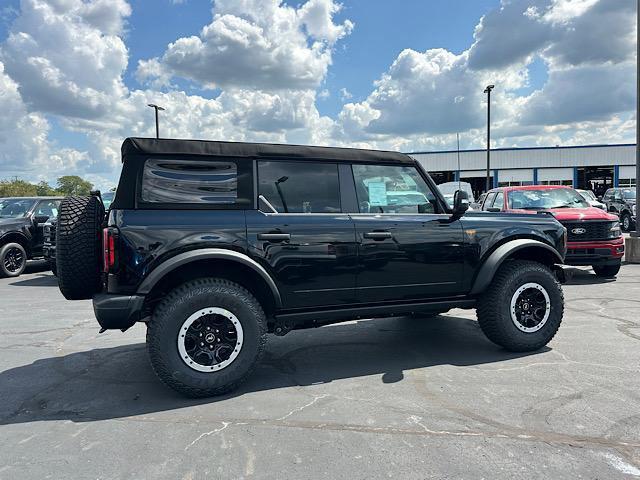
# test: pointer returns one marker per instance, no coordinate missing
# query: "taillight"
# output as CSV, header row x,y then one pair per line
x,y
108,249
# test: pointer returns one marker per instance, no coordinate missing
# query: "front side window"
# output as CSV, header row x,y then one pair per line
x,y
300,187
189,181
392,189
48,208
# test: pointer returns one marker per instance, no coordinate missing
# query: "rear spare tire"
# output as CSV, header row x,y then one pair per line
x,y
78,248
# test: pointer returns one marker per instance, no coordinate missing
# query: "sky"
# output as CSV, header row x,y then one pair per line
x,y
76,75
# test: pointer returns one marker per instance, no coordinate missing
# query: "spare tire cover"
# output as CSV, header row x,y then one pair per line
x,y
78,247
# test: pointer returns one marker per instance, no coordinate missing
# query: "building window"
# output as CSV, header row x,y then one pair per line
x,y
627,182
557,182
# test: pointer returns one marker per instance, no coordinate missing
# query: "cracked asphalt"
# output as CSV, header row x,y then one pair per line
x,y
398,398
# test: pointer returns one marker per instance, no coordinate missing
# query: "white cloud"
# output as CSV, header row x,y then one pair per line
x,y
260,44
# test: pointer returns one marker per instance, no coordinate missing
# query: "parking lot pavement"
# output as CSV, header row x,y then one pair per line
x,y
398,398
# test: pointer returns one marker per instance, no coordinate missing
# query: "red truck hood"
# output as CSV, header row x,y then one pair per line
x,y
576,214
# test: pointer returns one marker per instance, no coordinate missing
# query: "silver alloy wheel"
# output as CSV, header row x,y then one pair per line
x,y
210,339
530,307
626,223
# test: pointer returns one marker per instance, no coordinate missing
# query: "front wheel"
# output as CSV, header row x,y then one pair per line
x,y
607,271
522,308
206,337
13,260
626,222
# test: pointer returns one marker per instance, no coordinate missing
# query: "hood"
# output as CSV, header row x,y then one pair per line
x,y
11,223
576,214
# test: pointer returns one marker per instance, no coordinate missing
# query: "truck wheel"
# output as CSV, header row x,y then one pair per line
x,y
206,337
13,260
607,271
522,308
78,247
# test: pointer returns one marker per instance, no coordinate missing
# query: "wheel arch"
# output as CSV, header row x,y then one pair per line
x,y
17,237
517,249
213,262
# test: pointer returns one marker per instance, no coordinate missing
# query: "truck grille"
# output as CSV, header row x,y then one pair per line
x,y
593,230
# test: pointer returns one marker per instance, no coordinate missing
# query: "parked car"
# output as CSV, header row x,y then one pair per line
x,y
215,244
49,248
21,230
591,198
594,236
622,201
449,189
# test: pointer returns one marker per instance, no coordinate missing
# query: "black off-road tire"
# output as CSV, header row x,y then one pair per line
x,y
494,306
607,271
626,223
78,247
12,249
165,327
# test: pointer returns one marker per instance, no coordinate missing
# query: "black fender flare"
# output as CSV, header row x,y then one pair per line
x,y
207,254
500,254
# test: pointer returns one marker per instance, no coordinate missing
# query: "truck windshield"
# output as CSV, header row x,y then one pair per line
x,y
545,199
629,193
15,208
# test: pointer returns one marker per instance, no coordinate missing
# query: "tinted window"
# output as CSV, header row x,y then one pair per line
x,y
392,189
300,187
189,181
15,207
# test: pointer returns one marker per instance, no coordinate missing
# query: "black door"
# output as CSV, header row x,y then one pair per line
x,y
408,250
308,245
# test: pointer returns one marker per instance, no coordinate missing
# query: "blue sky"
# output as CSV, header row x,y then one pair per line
x,y
76,75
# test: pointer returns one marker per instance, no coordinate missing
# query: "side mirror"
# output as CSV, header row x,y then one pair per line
x,y
40,218
460,202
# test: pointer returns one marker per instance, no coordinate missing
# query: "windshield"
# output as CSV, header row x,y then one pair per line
x,y
629,193
546,198
587,194
107,198
15,207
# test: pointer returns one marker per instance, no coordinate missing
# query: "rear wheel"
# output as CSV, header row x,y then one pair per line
x,y
78,247
607,271
522,308
13,260
206,337
626,223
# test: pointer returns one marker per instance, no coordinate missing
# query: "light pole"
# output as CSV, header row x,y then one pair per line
x,y
488,92
156,108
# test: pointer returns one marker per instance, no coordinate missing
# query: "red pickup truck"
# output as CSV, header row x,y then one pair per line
x,y
593,235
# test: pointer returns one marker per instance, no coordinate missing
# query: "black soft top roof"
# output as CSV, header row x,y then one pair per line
x,y
165,146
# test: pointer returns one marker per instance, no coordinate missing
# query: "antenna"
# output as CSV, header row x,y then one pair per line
x,y
458,142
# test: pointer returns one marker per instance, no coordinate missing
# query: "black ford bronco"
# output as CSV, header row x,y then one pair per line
x,y
216,244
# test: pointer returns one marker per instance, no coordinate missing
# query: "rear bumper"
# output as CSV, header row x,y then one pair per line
x,y
117,311
595,253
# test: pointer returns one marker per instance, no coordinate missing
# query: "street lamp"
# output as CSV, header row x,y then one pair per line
x,y
156,108
488,92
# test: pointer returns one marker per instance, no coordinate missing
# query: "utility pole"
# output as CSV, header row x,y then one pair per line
x,y
488,92
632,244
156,108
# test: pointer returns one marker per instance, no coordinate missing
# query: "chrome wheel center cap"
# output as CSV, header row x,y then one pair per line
x,y
210,338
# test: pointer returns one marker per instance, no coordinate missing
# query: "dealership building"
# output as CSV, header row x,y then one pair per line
x,y
593,167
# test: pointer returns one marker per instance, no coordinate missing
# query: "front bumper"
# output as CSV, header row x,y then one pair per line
x,y
595,253
117,311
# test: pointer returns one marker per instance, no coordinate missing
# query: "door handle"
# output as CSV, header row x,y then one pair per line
x,y
274,237
378,235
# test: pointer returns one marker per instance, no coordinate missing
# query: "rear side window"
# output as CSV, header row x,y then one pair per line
x,y
300,187
189,181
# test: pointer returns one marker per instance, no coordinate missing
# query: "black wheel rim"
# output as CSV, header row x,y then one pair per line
x,y
13,260
530,307
210,339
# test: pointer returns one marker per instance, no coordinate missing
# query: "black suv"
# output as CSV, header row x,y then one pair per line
x,y
215,244
623,202
21,230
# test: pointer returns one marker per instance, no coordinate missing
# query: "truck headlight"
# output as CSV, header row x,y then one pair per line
x,y
614,231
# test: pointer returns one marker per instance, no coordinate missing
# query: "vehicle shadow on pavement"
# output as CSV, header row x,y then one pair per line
x,y
118,382
576,276
41,280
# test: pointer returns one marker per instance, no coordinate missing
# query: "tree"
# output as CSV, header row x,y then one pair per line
x,y
46,190
17,188
74,185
